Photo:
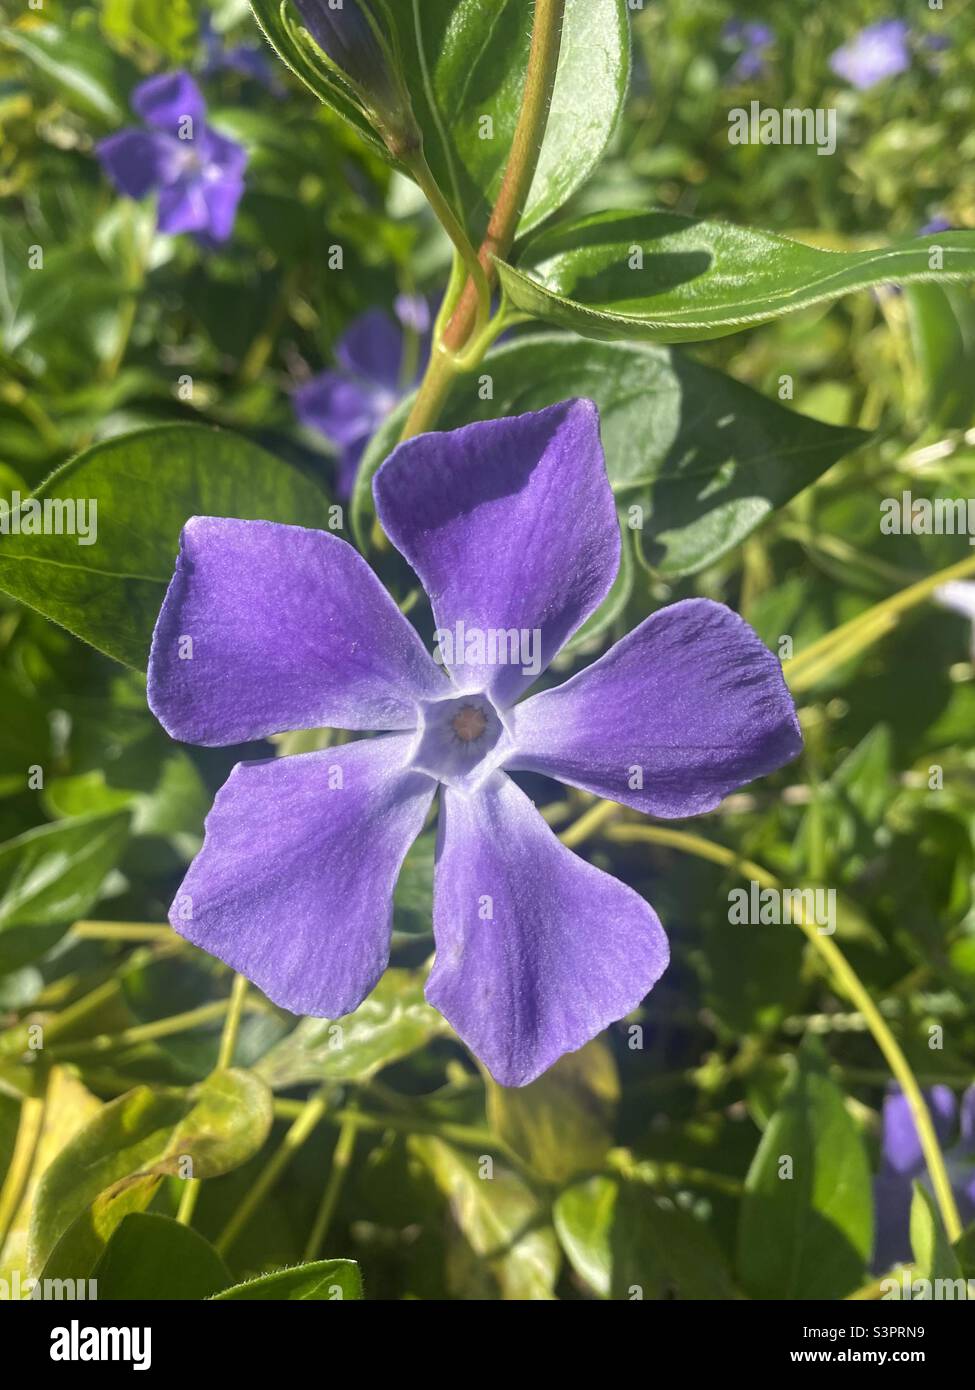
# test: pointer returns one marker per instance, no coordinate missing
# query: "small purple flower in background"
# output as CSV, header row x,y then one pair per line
x,y
754,40
902,1163
936,225
511,527
198,174
879,51
246,59
347,404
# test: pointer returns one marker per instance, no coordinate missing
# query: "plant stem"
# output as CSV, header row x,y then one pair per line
x,y
451,224
850,639
850,985
147,1032
341,1159
122,931
543,61
588,823
21,1164
231,1026
305,1122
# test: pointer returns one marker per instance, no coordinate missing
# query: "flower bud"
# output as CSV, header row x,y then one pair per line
x,y
345,31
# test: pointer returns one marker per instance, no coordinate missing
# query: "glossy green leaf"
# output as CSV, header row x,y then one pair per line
x,y
934,1257
561,1124
147,485
702,458
323,1281
217,1126
51,876
394,1021
672,279
154,1258
499,1217
464,63
806,1228
628,1243
84,72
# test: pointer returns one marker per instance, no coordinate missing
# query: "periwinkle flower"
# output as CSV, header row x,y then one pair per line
x,y
754,40
511,527
197,173
902,1163
245,59
881,50
347,404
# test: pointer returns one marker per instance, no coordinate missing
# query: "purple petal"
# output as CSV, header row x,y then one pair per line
x,y
967,1117
221,156
510,525
339,407
414,312
879,51
286,629
900,1146
137,161
222,197
892,1195
294,884
537,950
183,208
372,348
681,711
167,100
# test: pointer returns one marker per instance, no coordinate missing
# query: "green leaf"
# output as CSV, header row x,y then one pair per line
x,y
933,1256
154,1258
702,457
628,1243
464,64
51,876
324,1281
143,1135
147,485
83,70
806,1228
170,30
561,1124
672,279
394,1021
499,1217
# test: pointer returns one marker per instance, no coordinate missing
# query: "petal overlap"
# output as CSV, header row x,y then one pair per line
x,y
267,628
687,707
294,884
537,950
511,526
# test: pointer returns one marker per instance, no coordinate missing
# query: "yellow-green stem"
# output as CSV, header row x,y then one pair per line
x,y
341,1159
849,984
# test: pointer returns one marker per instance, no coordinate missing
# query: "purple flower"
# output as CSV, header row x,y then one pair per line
x,y
512,529
754,40
902,1163
247,59
879,51
347,405
198,174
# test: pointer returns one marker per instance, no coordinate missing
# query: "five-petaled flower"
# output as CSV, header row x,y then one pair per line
x,y
348,404
881,50
511,526
197,173
902,1163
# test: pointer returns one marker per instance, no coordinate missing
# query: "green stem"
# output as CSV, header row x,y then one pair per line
x,y
32,1112
341,1159
850,985
147,1032
122,931
231,1026
850,639
311,1113
451,224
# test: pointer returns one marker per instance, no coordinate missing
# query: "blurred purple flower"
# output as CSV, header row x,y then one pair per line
x,y
247,59
754,40
348,404
937,224
511,527
198,174
879,51
902,1163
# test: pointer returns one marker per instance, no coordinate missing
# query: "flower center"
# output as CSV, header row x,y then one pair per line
x,y
461,740
469,723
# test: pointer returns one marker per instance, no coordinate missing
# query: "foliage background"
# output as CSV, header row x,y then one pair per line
x,y
624,1166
